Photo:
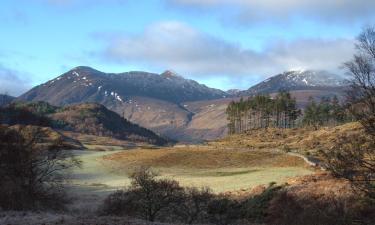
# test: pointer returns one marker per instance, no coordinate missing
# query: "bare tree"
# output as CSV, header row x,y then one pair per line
x,y
362,71
32,172
353,156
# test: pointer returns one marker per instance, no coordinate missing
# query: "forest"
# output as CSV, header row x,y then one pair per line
x,y
281,111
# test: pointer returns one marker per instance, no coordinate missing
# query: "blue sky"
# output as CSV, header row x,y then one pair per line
x,y
222,43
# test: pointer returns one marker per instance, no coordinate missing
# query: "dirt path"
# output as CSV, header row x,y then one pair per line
x,y
312,161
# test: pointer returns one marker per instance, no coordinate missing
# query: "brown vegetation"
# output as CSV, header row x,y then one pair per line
x,y
298,139
203,157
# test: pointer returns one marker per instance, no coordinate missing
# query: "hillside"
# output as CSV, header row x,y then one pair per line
x,y
298,80
47,136
89,118
84,84
95,119
170,105
302,140
148,99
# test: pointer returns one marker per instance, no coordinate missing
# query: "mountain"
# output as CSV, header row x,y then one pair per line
x,y
170,105
154,101
88,118
83,84
233,91
297,80
5,99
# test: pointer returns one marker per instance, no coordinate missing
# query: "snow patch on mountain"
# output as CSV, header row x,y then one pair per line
x,y
296,80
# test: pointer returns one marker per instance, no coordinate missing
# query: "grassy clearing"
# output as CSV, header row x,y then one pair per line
x,y
203,158
221,170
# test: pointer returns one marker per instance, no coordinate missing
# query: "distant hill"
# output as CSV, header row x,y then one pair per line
x,y
233,91
88,118
5,99
297,80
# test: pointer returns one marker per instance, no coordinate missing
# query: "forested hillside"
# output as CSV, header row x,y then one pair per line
x,y
89,118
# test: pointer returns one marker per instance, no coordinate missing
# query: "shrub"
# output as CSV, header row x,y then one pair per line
x,y
223,210
194,205
353,157
147,197
255,208
289,209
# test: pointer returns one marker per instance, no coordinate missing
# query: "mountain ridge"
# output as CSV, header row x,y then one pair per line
x,y
165,103
296,80
90,84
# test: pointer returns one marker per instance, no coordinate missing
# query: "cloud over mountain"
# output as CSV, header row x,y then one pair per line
x,y
176,45
11,82
337,11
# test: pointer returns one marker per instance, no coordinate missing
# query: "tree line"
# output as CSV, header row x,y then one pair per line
x,y
328,112
262,111
281,111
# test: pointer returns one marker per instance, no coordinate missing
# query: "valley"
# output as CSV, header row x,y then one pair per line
x,y
187,112
170,105
138,134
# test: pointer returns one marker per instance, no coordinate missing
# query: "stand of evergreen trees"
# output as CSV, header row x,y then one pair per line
x,y
262,111
328,112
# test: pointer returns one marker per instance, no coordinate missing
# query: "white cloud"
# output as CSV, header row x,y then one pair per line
x,y
11,82
250,11
177,46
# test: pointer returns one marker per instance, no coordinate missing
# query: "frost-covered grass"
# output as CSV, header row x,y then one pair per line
x,y
53,218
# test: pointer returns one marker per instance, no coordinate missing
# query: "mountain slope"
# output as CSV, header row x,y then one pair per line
x,y
297,80
88,118
170,105
83,84
151,100
92,118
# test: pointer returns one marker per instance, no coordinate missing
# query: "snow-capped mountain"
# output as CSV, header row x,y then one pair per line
x,y
297,80
233,91
154,101
83,84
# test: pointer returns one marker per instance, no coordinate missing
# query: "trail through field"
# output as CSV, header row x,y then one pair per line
x,y
90,184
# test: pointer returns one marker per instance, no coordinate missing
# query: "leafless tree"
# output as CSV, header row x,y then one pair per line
x,y
362,71
353,157
32,172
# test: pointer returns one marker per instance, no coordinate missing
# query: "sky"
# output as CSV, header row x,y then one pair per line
x,y
224,44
